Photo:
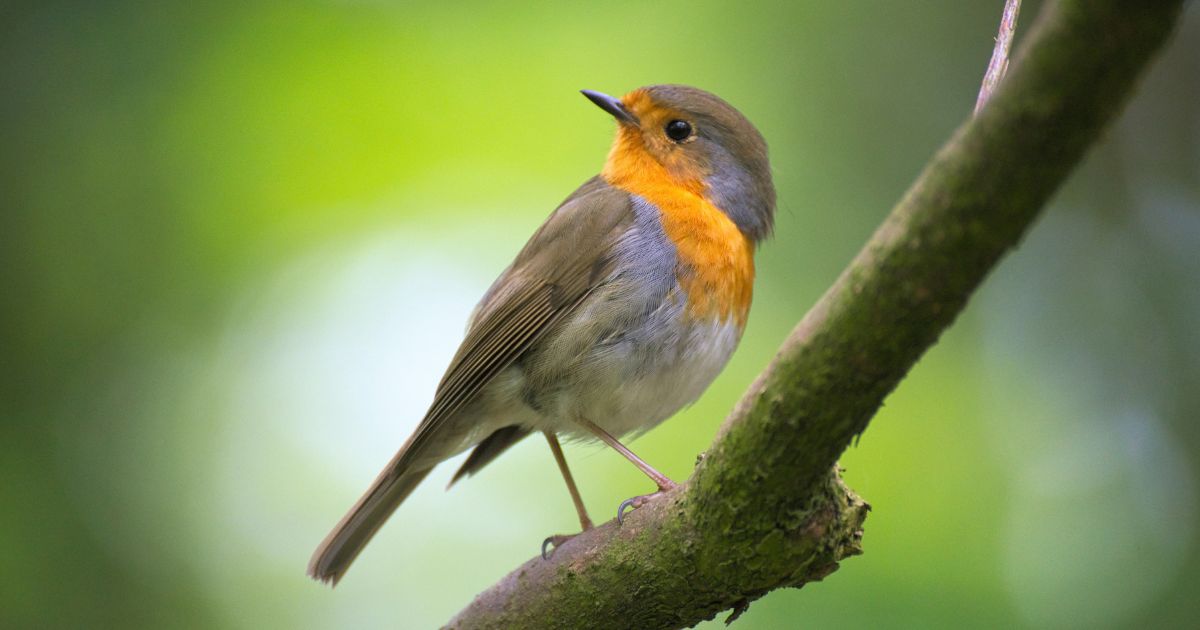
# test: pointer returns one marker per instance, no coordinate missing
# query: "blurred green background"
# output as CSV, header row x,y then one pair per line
x,y
239,242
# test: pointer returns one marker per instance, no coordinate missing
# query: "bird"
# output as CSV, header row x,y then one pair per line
x,y
619,311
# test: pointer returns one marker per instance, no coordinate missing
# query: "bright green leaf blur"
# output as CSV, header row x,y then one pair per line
x,y
239,242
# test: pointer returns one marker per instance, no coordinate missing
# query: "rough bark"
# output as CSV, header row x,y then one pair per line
x,y
765,508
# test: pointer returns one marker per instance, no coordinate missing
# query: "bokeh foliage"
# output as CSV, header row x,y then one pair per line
x,y
238,242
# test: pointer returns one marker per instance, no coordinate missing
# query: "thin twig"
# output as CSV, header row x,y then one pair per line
x,y
999,63
764,508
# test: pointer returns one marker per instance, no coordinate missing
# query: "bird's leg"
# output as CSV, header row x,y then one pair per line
x,y
664,484
658,478
585,523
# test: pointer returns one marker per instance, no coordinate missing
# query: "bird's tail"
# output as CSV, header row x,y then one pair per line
x,y
343,544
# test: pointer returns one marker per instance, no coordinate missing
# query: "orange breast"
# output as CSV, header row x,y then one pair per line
x,y
716,261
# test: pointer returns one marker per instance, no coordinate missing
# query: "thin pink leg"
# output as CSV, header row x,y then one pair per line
x,y
584,521
664,483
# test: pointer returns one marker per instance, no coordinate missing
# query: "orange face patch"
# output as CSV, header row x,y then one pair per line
x,y
649,141
716,261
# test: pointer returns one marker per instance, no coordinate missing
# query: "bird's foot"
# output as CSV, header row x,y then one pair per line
x,y
551,544
634,503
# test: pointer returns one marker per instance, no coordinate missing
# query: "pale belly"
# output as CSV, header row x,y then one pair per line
x,y
636,388
625,384
631,356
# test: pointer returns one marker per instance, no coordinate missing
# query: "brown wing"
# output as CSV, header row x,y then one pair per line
x,y
553,273
557,268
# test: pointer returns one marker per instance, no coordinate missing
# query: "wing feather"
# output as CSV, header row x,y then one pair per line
x,y
558,268
538,291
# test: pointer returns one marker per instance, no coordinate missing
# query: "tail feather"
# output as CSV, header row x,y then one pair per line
x,y
356,528
487,450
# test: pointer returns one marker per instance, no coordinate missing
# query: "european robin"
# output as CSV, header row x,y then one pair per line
x,y
619,311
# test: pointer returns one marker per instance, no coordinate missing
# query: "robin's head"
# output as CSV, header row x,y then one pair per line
x,y
683,136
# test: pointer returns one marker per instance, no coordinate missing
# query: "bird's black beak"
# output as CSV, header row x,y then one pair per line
x,y
612,106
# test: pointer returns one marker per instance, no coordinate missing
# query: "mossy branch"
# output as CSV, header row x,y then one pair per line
x,y
765,507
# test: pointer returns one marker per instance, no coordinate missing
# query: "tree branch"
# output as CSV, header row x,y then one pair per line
x,y
765,507
998,64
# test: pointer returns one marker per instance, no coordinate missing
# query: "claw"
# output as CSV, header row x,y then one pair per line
x,y
552,543
633,503
637,502
625,505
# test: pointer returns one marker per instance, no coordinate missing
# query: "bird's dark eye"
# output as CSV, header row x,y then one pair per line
x,y
679,130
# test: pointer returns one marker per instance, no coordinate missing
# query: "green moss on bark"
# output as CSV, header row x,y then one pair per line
x,y
765,507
